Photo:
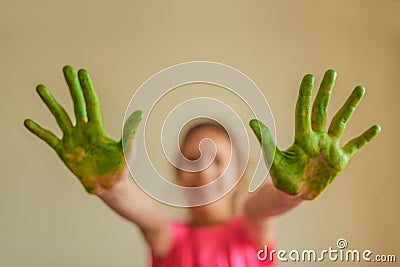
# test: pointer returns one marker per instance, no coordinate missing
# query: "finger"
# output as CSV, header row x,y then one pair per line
x,y
76,94
341,118
58,111
318,115
263,134
303,120
357,143
43,134
92,103
130,128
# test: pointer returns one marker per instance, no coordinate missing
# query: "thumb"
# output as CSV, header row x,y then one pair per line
x,y
130,128
266,140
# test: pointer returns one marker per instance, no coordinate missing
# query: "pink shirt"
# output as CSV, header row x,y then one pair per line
x,y
214,246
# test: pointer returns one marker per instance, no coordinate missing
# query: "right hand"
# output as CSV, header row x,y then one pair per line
x,y
316,157
96,159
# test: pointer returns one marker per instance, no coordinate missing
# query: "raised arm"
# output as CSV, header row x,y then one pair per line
x,y
315,159
98,161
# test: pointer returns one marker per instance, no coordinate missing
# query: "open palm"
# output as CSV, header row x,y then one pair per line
x,y
96,159
316,158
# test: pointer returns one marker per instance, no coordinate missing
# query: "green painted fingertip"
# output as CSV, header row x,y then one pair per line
x,y
138,114
41,89
331,73
136,117
44,94
309,78
26,122
130,128
376,129
254,123
84,78
83,74
256,127
29,124
360,91
307,85
69,75
67,68
132,123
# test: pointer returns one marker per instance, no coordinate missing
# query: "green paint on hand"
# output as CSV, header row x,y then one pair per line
x,y
316,158
96,159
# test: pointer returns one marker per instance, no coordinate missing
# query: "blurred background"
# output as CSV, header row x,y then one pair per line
x,y
47,219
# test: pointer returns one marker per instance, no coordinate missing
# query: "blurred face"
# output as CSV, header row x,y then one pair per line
x,y
212,158
215,157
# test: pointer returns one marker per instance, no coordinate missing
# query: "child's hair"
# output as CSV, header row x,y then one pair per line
x,y
207,123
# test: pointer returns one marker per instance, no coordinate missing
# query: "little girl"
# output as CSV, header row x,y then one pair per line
x,y
214,234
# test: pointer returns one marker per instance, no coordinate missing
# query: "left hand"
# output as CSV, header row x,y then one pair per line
x,y
316,158
86,149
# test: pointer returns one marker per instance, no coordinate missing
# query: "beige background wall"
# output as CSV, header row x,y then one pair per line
x,y
46,218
